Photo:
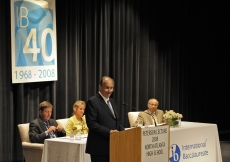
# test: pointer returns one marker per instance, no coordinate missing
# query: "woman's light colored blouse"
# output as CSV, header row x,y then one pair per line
x,y
76,125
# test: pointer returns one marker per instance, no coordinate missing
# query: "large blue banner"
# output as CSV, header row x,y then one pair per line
x,y
33,39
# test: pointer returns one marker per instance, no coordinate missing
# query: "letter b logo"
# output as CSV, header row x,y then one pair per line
x,y
174,153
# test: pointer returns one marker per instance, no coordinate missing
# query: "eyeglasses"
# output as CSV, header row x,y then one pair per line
x,y
153,104
108,88
48,112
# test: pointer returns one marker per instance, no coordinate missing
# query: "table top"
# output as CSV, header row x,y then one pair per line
x,y
189,125
68,140
184,125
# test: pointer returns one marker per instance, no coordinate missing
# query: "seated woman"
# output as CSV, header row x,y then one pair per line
x,y
77,121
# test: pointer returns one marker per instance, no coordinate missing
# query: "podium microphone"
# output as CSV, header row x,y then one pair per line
x,y
125,104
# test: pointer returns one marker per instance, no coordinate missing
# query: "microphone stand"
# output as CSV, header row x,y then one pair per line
x,y
125,104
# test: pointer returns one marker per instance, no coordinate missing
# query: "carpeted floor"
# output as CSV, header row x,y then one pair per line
x,y
225,145
225,150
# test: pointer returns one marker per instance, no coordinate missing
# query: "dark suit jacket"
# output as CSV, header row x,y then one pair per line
x,y
100,121
37,130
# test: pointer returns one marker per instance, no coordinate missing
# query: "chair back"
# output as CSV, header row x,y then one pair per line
x,y
24,132
62,122
132,117
31,151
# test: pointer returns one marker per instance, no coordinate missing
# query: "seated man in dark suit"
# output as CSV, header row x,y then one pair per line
x,y
44,127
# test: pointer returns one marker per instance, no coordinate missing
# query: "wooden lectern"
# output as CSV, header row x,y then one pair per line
x,y
130,145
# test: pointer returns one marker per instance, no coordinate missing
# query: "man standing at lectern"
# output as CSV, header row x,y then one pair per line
x,y
102,119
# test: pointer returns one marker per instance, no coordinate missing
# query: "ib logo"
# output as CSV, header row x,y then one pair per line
x,y
174,153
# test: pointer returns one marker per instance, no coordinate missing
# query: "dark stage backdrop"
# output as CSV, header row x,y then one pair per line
x,y
174,51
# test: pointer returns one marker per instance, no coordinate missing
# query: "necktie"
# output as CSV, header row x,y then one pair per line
x,y
111,109
52,135
154,116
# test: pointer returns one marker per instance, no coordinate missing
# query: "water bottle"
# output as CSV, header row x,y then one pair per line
x,y
71,136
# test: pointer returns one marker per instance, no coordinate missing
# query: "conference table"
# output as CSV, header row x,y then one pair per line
x,y
191,142
64,149
195,142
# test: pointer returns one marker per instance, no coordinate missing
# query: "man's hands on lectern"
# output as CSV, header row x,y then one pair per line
x,y
113,131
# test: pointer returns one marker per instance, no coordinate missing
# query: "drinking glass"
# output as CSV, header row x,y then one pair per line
x,y
140,123
78,136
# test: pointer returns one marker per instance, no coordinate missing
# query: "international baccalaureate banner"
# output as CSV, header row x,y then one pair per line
x,y
33,41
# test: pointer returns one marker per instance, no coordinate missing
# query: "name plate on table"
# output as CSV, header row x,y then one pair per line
x,y
155,144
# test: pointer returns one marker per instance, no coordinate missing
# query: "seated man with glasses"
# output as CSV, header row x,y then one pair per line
x,y
151,116
44,127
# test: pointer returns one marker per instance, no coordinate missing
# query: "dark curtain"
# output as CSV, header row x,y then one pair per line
x,y
174,51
